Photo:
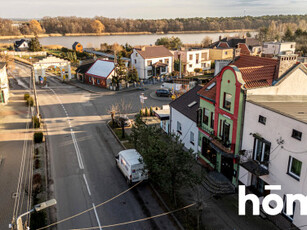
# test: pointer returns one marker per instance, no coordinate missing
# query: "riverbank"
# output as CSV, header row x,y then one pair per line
x,y
122,33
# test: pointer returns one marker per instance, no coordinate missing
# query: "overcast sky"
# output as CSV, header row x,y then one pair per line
x,y
149,8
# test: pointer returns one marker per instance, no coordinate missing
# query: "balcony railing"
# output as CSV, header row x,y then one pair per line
x,y
223,146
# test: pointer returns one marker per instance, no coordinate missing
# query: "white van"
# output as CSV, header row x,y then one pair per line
x,y
129,162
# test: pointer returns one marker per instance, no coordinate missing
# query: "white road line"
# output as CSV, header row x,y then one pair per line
x,y
98,221
88,188
77,150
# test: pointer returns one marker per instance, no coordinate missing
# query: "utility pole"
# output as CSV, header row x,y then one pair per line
x,y
179,65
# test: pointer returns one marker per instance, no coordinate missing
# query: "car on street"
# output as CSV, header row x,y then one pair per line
x,y
131,164
163,93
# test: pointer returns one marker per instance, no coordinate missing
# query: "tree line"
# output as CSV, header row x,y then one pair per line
x,y
64,25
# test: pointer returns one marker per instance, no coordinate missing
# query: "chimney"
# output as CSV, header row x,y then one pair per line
x,y
143,48
286,61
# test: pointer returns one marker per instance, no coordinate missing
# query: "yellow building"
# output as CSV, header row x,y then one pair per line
x,y
220,54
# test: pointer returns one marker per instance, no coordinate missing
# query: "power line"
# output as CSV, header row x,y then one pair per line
x,y
80,213
139,220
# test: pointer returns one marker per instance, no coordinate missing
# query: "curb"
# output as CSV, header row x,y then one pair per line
x,y
151,186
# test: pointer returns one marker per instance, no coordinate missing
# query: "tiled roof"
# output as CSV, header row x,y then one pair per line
x,y
181,103
249,61
210,94
153,52
244,49
223,45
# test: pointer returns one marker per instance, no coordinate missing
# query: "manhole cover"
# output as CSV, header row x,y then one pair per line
x,y
14,195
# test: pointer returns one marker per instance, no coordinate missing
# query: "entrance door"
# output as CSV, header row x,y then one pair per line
x,y
227,167
226,132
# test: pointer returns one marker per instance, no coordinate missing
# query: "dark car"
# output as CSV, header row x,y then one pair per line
x,y
163,93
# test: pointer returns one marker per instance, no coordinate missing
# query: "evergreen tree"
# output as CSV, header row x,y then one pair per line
x,y
34,44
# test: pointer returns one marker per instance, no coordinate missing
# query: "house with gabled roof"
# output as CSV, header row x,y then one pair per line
x,y
152,61
77,47
222,100
100,73
21,45
183,118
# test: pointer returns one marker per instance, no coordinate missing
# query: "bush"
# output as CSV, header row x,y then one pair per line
x,y
26,96
38,137
30,101
151,112
141,113
36,122
198,70
146,112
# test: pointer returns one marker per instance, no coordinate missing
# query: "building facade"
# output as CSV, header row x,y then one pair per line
x,y
4,84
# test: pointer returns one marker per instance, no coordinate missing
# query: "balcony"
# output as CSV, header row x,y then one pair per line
x,y
255,168
222,146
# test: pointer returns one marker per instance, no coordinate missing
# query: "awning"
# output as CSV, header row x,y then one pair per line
x,y
159,64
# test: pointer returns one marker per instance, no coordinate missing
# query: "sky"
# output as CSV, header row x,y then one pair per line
x,y
149,9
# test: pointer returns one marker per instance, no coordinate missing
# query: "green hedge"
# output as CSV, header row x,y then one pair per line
x,y
38,137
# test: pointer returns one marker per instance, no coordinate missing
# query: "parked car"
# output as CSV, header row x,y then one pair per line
x,y
163,93
131,164
125,119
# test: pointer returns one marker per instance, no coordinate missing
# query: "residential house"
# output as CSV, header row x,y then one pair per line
x,y
77,47
21,45
4,84
184,116
221,53
192,59
83,68
274,150
152,61
220,116
100,73
271,49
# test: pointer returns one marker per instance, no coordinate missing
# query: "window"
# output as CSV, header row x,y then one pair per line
x,y
261,152
296,134
167,61
149,63
89,79
190,65
206,116
285,208
199,116
179,130
191,57
212,120
262,119
294,168
149,73
204,56
136,54
227,101
163,70
134,61
98,81
226,134
197,57
161,60
192,138
226,52
207,151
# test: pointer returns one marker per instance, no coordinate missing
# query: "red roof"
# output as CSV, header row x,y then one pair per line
x,y
248,61
153,52
208,93
223,45
244,49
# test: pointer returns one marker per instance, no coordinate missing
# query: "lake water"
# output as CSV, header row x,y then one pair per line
x,y
95,41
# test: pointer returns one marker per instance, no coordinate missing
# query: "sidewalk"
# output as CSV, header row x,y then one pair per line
x,y
13,132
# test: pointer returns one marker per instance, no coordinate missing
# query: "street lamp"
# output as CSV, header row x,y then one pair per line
x,y
36,208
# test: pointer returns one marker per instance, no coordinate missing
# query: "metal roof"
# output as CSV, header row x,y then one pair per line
x,y
105,54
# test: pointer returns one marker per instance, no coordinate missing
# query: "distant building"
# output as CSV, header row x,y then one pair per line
x,y
271,49
221,54
100,73
21,45
152,61
192,59
4,84
77,47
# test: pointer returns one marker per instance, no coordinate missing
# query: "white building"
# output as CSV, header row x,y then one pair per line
x,y
275,144
193,59
152,61
4,84
163,114
276,48
183,117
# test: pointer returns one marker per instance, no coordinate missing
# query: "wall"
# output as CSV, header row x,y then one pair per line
x,y
220,54
187,125
20,53
4,85
277,126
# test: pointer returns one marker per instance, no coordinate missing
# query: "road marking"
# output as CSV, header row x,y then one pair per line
x,y
88,188
98,221
78,153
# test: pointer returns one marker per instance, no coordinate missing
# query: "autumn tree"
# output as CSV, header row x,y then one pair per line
x,y
35,27
169,43
133,75
206,41
97,26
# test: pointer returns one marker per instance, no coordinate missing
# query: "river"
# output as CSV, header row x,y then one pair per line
x,y
133,40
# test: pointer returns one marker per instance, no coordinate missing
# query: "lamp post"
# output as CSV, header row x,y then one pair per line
x,y
36,208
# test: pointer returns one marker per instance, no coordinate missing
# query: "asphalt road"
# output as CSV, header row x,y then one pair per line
x,y
82,150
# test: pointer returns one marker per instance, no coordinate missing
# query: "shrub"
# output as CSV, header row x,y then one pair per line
x,y
198,70
26,96
38,137
36,122
141,113
146,112
151,111
30,101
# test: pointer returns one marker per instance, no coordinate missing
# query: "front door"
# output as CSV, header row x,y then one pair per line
x,y
226,132
227,167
